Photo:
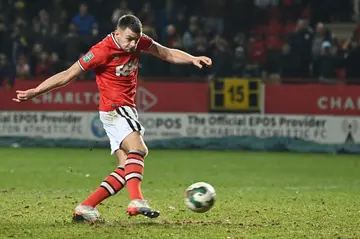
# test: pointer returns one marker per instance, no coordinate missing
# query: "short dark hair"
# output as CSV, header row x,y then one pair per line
x,y
131,22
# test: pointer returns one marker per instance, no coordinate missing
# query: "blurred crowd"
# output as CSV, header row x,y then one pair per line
x,y
245,38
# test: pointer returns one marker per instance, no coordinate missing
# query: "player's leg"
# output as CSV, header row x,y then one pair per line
x,y
121,156
134,165
111,185
134,170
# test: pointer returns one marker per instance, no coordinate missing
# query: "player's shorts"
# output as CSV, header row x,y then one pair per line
x,y
120,123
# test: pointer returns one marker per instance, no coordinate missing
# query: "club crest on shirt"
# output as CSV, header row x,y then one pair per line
x,y
88,57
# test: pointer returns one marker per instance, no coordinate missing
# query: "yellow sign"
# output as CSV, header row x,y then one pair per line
x,y
234,94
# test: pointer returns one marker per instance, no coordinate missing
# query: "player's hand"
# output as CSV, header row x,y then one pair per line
x,y
202,60
24,95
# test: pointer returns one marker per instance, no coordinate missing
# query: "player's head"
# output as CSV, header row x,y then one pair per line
x,y
128,32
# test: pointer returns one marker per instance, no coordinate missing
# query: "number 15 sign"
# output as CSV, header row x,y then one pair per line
x,y
235,94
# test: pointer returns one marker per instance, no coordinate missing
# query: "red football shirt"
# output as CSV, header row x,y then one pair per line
x,y
116,71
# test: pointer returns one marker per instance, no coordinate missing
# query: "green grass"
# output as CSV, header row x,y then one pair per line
x,y
259,195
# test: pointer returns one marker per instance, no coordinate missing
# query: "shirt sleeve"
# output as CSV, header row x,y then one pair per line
x,y
145,42
92,59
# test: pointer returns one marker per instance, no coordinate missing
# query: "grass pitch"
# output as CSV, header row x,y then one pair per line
x,y
259,195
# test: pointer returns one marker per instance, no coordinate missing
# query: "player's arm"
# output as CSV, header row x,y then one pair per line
x,y
90,61
60,79
177,56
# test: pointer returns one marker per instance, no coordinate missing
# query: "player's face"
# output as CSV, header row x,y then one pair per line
x,y
127,39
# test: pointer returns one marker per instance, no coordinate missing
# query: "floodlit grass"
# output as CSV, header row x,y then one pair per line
x,y
259,195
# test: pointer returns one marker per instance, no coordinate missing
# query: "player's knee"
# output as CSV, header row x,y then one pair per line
x,y
134,142
143,150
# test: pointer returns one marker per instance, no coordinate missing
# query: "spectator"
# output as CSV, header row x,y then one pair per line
x,y
170,36
56,64
290,27
327,62
18,47
44,22
215,11
43,67
278,44
221,57
4,39
34,58
239,62
151,32
93,39
43,31
290,62
273,56
189,37
23,68
59,15
71,43
274,28
321,35
257,51
181,22
352,59
83,21
63,20
121,11
165,15
300,42
4,69
239,39
147,14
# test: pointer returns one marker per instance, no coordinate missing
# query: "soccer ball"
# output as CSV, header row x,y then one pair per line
x,y
200,197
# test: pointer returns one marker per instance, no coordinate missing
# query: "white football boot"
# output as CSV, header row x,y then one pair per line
x,y
87,214
138,206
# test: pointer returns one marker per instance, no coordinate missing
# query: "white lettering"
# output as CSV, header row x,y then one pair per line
x,y
87,97
322,102
96,98
36,100
47,98
58,98
127,69
335,103
78,98
69,97
338,103
349,104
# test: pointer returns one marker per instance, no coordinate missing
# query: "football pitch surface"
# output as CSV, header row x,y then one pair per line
x,y
259,195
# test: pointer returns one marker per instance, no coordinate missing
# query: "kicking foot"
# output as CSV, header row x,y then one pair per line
x,y
87,214
139,206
